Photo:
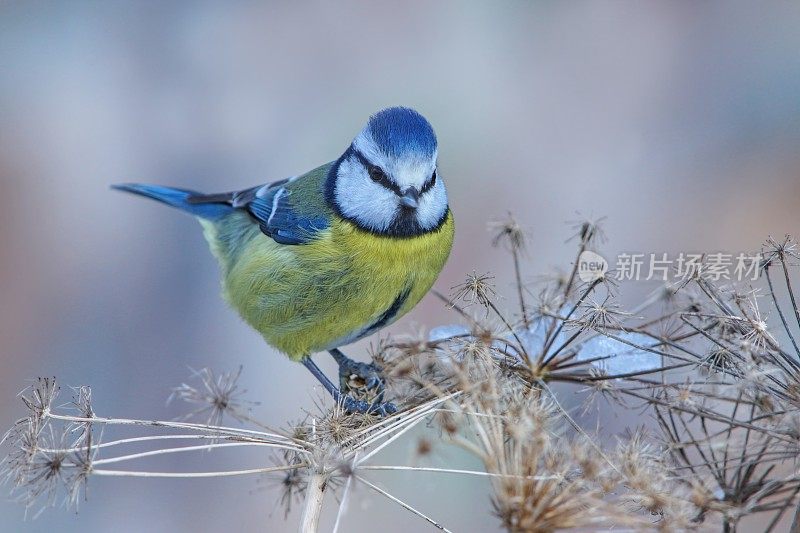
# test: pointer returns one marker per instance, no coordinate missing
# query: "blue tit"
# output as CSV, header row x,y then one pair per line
x,y
321,260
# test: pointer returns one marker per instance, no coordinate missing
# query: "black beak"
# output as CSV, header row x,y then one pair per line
x,y
410,198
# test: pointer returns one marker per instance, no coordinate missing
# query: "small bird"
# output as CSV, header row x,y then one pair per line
x,y
321,260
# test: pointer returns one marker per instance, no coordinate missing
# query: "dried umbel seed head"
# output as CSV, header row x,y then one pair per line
x,y
39,397
601,315
475,290
300,432
337,427
483,337
589,231
782,251
403,368
508,232
43,465
218,395
448,422
793,391
790,425
591,466
424,447
700,495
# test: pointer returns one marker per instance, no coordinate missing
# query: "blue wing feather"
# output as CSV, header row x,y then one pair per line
x,y
270,205
281,220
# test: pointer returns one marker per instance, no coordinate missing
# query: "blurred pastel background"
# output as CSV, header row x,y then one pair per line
x,y
680,121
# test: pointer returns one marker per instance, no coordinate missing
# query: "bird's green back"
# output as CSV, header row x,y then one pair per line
x,y
229,236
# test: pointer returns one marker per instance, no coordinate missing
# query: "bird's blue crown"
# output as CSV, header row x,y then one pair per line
x,y
400,131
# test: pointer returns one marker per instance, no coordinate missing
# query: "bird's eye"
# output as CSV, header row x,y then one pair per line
x,y
376,174
429,184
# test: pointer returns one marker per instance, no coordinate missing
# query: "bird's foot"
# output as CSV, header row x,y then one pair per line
x,y
352,405
361,386
362,381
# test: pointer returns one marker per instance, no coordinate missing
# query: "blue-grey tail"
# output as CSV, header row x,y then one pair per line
x,y
192,202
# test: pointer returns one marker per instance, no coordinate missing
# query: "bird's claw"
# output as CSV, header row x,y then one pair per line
x,y
361,387
352,405
364,381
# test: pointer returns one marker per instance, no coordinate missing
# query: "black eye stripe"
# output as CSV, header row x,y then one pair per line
x,y
429,184
384,179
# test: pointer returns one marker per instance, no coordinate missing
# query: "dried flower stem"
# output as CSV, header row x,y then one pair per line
x,y
453,471
344,502
203,447
796,522
224,473
315,494
219,431
403,504
520,288
723,394
780,310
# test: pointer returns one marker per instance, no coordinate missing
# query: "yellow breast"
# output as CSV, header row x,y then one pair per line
x,y
343,286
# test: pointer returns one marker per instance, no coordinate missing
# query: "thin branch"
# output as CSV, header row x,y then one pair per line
x,y
224,473
454,471
403,504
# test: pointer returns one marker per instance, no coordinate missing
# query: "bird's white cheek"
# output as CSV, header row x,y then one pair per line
x,y
433,206
368,203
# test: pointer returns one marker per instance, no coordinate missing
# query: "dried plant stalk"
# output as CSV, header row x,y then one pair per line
x,y
315,494
711,383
